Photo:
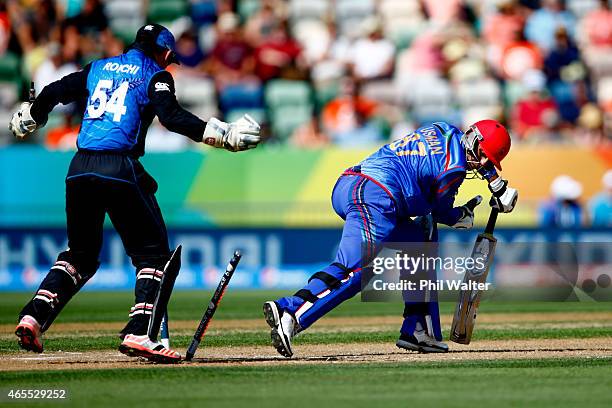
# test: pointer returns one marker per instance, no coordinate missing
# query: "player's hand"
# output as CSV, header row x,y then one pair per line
x,y
467,219
21,123
236,136
504,197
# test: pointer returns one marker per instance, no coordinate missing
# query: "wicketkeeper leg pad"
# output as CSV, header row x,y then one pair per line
x,y
64,280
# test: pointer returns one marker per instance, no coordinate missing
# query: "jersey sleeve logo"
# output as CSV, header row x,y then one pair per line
x,y
162,86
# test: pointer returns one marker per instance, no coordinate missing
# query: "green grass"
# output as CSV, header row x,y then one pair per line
x,y
108,340
189,305
113,306
509,383
544,383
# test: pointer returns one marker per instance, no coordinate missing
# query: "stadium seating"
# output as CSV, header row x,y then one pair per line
x,y
241,96
203,12
351,13
289,104
162,11
10,80
479,93
431,99
309,9
402,20
259,114
247,8
581,7
125,17
194,91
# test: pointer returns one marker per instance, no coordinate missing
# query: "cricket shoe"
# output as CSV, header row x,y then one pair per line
x,y
29,335
284,327
142,346
421,341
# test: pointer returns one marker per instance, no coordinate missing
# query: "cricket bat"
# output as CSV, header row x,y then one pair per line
x,y
467,305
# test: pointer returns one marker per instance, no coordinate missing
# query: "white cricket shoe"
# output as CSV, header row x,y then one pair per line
x,y
284,328
142,346
421,341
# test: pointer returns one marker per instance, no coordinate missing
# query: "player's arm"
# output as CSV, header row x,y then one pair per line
x,y
31,116
444,210
240,135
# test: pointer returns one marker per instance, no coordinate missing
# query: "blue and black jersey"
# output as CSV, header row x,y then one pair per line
x,y
123,94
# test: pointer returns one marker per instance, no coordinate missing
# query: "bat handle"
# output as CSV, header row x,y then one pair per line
x,y
492,220
32,96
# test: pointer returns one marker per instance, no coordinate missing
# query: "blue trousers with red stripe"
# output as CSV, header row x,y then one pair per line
x,y
371,219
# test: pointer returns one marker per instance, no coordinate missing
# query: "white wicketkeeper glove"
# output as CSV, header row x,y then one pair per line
x,y
21,123
236,136
467,219
504,198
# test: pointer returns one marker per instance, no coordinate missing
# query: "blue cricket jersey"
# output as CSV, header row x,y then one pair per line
x,y
422,171
117,89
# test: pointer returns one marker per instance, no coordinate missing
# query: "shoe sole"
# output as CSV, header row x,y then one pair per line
x,y
280,342
27,340
421,348
132,351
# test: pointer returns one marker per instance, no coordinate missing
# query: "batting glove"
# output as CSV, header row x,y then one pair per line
x,y
21,123
504,198
236,136
467,219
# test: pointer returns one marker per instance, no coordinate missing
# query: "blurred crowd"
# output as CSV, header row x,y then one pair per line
x,y
350,73
565,207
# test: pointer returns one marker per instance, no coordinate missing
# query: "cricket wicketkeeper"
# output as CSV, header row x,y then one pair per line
x,y
379,199
123,94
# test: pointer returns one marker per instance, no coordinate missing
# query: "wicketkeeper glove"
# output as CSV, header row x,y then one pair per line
x,y
467,219
504,198
236,136
21,123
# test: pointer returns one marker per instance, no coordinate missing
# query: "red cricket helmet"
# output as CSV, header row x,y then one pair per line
x,y
493,138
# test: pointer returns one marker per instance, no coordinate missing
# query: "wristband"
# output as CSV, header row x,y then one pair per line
x,y
498,187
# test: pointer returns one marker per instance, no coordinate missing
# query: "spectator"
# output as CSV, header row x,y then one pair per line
x,y
5,29
563,54
261,24
590,129
231,59
596,27
349,119
600,206
563,210
423,57
442,13
92,27
64,136
373,56
501,29
52,69
188,49
543,23
520,57
279,56
535,115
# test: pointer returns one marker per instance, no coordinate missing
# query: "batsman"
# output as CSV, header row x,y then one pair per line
x,y
399,194
122,95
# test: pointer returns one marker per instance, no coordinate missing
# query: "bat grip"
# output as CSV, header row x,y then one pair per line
x,y
492,220
32,95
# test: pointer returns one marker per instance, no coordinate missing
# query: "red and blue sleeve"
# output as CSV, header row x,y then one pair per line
x,y
445,191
